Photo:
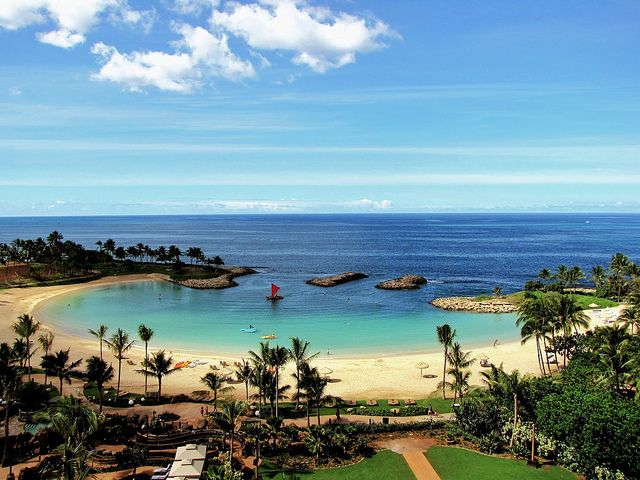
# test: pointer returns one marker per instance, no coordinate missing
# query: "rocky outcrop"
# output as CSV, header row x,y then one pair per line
x,y
469,304
406,282
334,280
225,280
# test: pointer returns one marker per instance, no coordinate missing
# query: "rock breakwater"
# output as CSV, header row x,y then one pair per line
x,y
469,304
406,282
334,280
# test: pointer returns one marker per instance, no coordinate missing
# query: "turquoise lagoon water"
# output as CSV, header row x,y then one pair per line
x,y
347,320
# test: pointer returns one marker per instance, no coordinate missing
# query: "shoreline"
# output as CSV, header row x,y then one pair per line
x,y
359,375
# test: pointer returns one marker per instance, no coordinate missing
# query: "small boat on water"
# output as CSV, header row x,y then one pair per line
x,y
249,330
274,293
269,337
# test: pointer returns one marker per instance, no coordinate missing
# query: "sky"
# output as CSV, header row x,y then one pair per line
x,y
294,106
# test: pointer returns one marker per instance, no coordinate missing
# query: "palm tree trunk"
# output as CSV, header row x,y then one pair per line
x,y
146,362
100,400
231,446
318,410
6,433
540,361
298,383
277,390
515,420
308,414
546,354
60,385
444,375
28,359
119,371
246,389
101,349
159,388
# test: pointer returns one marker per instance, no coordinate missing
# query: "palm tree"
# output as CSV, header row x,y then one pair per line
x,y
25,328
630,318
574,275
598,275
278,358
10,379
561,275
57,365
315,386
569,315
99,373
100,334
158,366
497,291
227,419
298,353
46,342
613,354
119,343
445,336
109,246
511,384
215,383
535,317
545,274
618,265
302,377
243,374
217,261
146,334
74,422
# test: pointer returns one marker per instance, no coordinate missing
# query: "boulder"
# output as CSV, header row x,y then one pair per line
x,y
334,280
406,282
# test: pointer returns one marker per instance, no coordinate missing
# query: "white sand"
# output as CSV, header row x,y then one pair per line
x,y
366,377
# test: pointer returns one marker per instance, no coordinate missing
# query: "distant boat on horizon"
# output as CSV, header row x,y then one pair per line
x,y
274,293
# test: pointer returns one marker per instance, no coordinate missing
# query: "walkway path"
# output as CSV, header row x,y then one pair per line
x,y
420,466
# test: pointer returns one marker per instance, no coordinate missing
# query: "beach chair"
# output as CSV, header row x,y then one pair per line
x,y
393,403
410,401
372,403
352,403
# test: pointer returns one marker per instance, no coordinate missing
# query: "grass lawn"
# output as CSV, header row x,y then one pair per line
x,y
583,300
385,465
455,463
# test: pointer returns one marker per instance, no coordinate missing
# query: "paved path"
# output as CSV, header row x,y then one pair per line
x,y
420,466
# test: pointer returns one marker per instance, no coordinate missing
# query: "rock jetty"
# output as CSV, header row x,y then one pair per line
x,y
225,280
334,280
406,282
470,304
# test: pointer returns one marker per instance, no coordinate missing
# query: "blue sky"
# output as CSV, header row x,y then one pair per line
x,y
201,106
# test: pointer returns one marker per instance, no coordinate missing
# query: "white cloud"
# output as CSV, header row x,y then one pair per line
x,y
371,204
198,55
15,91
193,7
318,37
72,18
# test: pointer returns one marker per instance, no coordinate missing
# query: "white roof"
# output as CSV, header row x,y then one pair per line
x,y
191,452
186,468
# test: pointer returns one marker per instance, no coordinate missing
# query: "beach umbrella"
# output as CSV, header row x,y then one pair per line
x,y
325,371
422,366
593,305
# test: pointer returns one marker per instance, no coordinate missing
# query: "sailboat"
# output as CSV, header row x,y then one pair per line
x,y
274,293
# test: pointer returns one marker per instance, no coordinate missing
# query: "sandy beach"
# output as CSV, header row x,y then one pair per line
x,y
366,377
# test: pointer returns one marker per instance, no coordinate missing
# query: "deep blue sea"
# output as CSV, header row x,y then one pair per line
x,y
460,254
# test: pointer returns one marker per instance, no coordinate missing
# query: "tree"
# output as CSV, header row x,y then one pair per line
x,y
10,380
227,419
298,352
217,261
497,291
243,374
618,266
119,343
215,383
59,365
158,366
459,361
630,318
545,274
536,317
598,275
569,315
146,334
278,358
561,275
25,328
74,422
100,334
46,342
302,377
109,246
99,374
314,386
613,355
509,384
445,336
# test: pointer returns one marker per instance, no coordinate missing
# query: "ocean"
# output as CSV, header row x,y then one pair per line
x,y
460,254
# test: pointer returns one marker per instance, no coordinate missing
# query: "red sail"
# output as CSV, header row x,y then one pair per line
x,y
274,289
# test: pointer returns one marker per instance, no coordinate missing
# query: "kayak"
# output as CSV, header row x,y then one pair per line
x,y
269,337
249,330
